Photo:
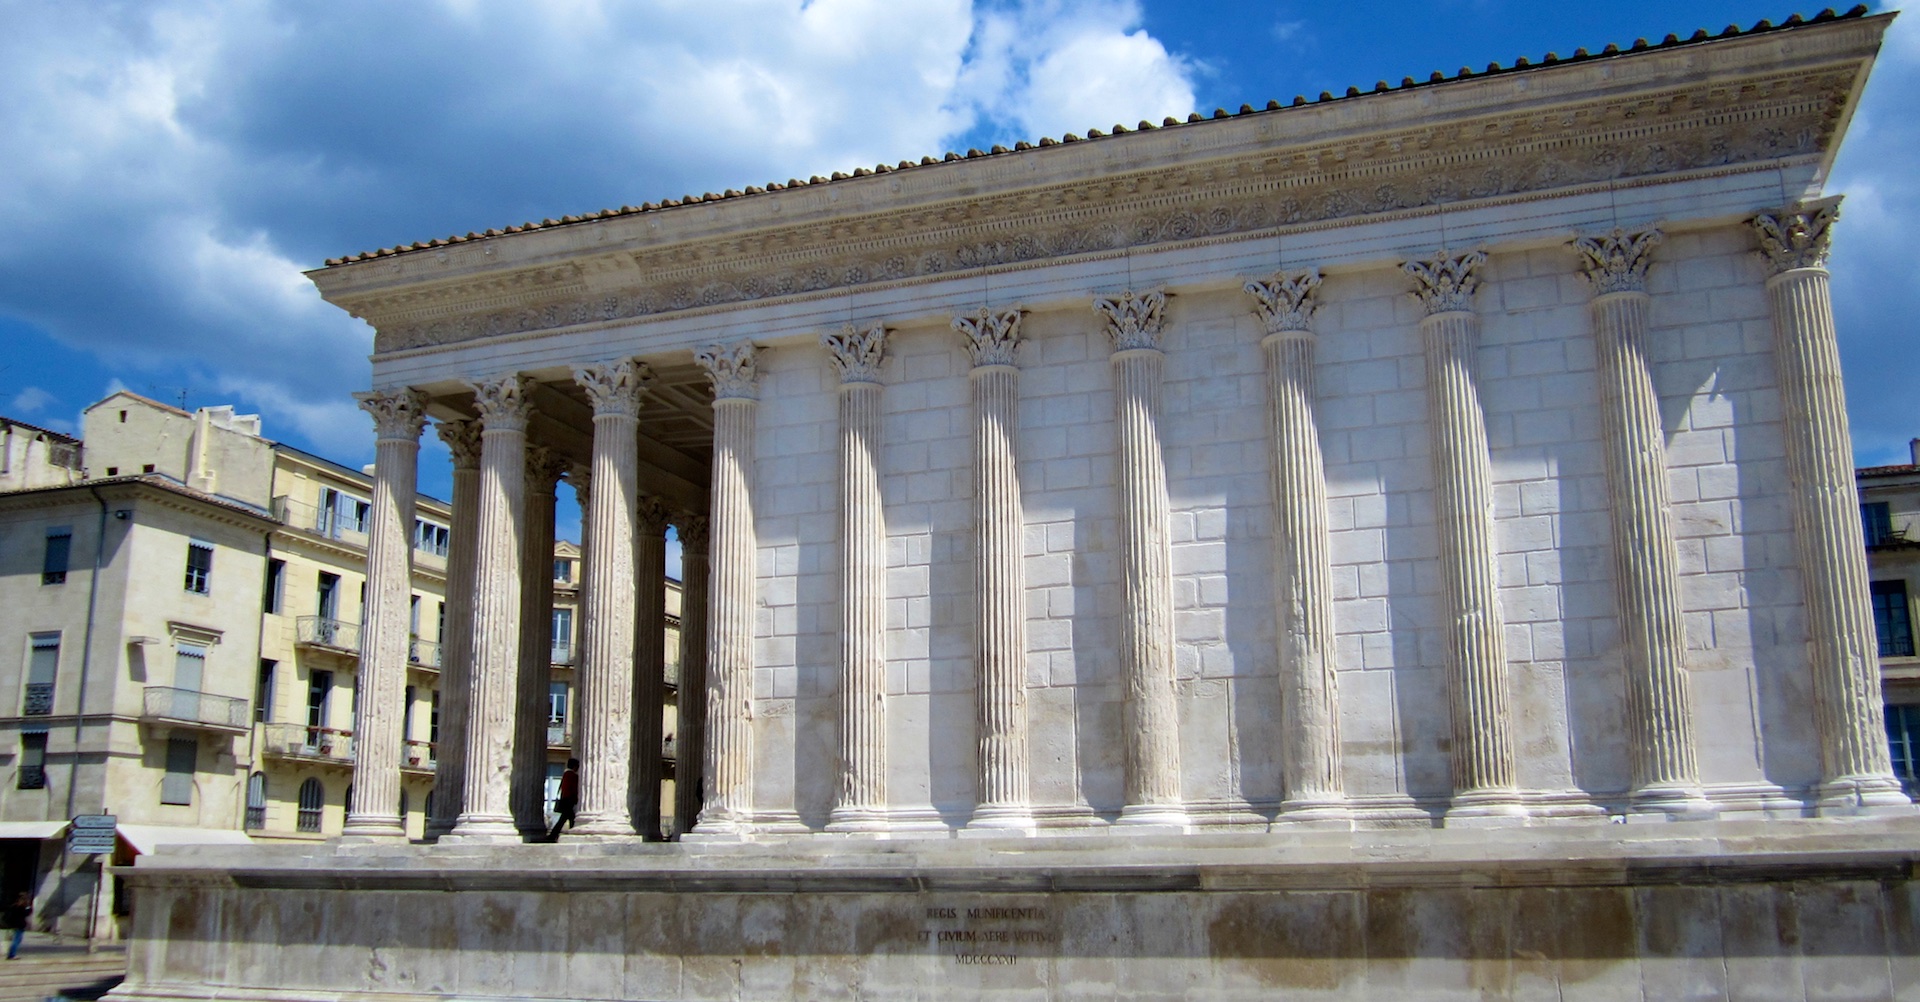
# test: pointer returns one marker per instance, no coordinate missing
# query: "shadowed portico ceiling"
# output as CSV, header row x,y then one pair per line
x,y
676,426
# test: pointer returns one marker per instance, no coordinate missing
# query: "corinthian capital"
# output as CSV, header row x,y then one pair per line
x,y
1286,302
463,441
992,337
398,413
1135,320
1798,236
857,352
503,403
653,515
544,467
1444,283
694,530
615,387
1617,262
731,368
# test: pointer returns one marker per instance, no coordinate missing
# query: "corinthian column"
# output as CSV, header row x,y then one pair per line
x,y
528,799
1483,773
861,802
649,663
456,638
504,410
1000,617
691,743
603,679
728,763
1134,324
1856,774
398,417
1302,570
1666,771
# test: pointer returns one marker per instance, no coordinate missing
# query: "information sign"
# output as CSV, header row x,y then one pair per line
x,y
92,833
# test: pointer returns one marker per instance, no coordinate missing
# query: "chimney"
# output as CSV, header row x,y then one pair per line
x,y
1914,448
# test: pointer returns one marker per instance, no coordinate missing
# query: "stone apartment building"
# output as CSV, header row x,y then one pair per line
x,y
1890,516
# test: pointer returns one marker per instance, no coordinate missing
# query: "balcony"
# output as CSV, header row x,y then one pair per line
x,y
423,653
563,653
557,736
666,748
326,523
419,757
298,742
327,634
39,701
172,707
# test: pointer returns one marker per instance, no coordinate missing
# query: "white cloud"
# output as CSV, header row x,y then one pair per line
x,y
1046,68
29,400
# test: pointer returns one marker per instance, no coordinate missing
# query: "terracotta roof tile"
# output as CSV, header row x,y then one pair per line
x,y
1522,64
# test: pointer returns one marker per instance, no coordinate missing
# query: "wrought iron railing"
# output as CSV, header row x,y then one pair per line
x,y
300,741
563,652
557,733
320,631
423,653
420,755
39,699
330,523
32,777
163,702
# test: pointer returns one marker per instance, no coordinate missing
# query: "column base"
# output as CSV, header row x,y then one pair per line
x,y
364,826
1862,796
999,821
1324,813
858,821
1149,819
727,830
604,825
482,828
1485,809
1671,803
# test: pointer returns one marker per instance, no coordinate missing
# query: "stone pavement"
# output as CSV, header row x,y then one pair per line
x,y
60,967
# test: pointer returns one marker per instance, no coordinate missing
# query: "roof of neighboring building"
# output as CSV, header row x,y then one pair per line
x,y
1895,470
1521,65
158,481
145,400
49,432
342,469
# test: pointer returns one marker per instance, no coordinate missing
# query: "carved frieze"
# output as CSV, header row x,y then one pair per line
x,y
1707,126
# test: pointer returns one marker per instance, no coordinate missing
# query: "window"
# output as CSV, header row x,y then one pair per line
x,y
319,698
53,563
563,636
257,801
276,573
1891,619
406,716
1877,519
329,605
41,669
183,754
341,513
563,569
433,720
33,761
1903,741
403,808
313,798
263,691
199,566
556,713
429,538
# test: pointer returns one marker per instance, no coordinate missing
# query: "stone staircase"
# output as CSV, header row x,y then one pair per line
x,y
48,968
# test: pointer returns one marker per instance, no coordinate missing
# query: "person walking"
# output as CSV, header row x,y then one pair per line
x,y
569,799
15,917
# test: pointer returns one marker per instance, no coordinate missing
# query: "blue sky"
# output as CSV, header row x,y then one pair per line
x,y
172,166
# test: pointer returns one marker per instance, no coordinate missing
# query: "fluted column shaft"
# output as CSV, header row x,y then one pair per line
x,y
375,812
528,799
1856,770
496,609
649,665
728,762
690,742
861,801
1463,485
1146,585
1001,625
456,638
603,681
1483,765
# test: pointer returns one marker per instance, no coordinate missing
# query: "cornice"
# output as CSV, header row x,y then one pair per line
x,y
1621,120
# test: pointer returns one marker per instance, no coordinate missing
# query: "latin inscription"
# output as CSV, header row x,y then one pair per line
x,y
989,936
